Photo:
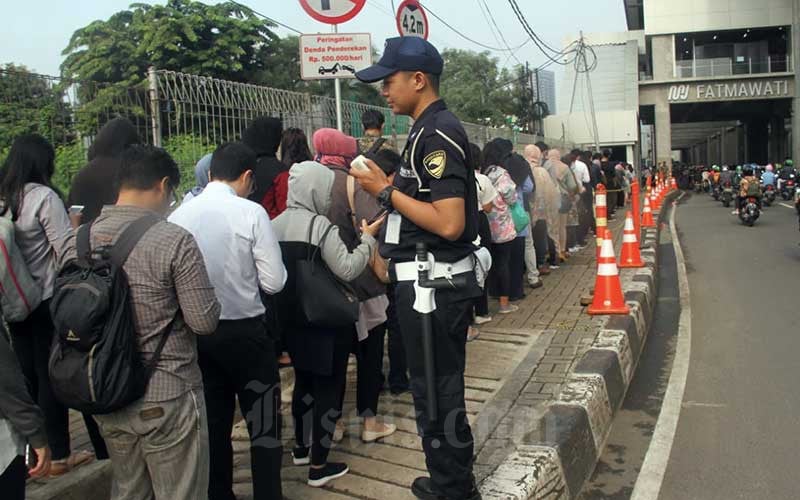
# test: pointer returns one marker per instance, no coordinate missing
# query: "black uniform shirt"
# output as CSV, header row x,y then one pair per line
x,y
435,167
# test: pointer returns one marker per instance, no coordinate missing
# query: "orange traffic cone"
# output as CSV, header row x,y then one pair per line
x,y
647,214
608,298
630,255
655,200
601,215
674,184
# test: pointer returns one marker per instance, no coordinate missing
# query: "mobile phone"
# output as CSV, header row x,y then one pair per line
x,y
382,214
360,164
75,209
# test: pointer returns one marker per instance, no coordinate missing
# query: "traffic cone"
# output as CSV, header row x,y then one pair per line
x,y
608,298
655,201
630,255
601,215
647,214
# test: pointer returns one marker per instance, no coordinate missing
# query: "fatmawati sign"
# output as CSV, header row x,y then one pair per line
x,y
334,55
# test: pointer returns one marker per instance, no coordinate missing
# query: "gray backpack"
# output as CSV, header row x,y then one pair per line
x,y
20,294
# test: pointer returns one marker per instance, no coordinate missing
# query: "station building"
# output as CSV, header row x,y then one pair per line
x,y
706,82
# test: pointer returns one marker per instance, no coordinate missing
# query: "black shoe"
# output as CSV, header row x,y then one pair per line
x,y
318,478
424,489
300,455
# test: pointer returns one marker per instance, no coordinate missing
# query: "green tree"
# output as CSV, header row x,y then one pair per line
x,y
471,85
31,104
222,41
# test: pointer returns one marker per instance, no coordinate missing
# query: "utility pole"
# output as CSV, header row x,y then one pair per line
x,y
795,68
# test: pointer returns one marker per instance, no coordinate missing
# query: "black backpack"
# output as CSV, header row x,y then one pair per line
x,y
95,365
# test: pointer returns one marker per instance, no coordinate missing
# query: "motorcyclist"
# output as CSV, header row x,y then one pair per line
x,y
748,188
785,173
768,177
726,176
714,177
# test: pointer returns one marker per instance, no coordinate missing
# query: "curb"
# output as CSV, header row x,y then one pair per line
x,y
556,459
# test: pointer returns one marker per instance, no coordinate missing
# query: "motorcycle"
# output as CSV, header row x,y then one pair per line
x,y
715,192
787,188
727,195
769,195
750,212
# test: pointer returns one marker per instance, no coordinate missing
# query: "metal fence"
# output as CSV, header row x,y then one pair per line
x,y
188,115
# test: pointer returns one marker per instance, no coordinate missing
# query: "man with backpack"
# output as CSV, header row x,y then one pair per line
x,y
157,438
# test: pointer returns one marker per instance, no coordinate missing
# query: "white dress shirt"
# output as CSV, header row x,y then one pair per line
x,y
239,248
581,172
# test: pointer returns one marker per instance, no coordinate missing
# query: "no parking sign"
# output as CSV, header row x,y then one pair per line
x,y
333,11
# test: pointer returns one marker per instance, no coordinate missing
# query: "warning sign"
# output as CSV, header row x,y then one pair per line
x,y
335,55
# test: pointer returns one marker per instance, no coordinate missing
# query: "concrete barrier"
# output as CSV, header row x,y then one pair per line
x,y
556,459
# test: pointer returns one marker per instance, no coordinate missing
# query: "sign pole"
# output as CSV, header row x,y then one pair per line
x,y
337,85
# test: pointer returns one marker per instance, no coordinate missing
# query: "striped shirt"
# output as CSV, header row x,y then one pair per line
x,y
167,277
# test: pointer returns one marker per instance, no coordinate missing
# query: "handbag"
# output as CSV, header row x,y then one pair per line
x,y
519,216
323,300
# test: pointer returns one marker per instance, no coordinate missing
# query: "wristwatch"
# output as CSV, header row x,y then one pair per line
x,y
385,197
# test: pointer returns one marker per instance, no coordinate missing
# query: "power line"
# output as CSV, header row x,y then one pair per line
x,y
497,28
465,37
548,51
282,25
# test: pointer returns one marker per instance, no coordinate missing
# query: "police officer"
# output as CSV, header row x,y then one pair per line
x,y
432,200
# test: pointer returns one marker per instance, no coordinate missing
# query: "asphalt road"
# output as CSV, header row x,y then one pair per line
x,y
739,429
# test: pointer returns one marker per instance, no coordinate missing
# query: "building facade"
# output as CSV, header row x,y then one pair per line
x,y
544,87
714,82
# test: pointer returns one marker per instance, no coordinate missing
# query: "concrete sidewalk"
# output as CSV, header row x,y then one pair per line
x,y
517,365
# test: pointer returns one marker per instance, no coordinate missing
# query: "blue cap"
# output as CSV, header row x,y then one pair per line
x,y
404,53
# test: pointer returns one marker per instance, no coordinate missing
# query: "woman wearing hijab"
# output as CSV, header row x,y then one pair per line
x,y
200,177
544,209
319,354
336,150
500,221
94,185
568,188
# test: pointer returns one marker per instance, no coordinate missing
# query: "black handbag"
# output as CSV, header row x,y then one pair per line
x,y
324,300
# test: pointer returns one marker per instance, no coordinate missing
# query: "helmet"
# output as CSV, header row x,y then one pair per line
x,y
715,168
724,168
748,171
769,167
739,169
789,163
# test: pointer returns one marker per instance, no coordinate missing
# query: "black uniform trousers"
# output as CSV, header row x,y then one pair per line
x,y
447,442
239,360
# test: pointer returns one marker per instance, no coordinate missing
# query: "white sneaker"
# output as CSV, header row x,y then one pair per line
x,y
479,320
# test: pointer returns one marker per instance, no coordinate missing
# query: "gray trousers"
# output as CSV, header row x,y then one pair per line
x,y
530,258
159,450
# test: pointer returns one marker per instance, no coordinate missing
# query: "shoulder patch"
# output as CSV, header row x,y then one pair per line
x,y
435,162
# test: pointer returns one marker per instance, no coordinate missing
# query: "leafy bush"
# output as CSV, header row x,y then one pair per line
x,y
187,150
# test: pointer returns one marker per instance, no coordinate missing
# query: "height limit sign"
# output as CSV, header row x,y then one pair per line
x,y
411,20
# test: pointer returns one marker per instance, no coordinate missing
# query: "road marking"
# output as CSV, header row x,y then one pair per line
x,y
648,484
785,205
697,404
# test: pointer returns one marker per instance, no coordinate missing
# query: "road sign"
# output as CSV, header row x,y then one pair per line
x,y
411,20
333,11
335,55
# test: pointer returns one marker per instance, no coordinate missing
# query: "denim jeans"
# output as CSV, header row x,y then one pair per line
x,y
159,450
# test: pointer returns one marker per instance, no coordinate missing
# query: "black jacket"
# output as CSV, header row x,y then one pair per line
x,y
96,185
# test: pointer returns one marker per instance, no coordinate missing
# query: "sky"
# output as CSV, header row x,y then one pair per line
x,y
36,31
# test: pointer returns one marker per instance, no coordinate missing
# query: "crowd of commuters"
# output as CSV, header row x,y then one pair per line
x,y
220,287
